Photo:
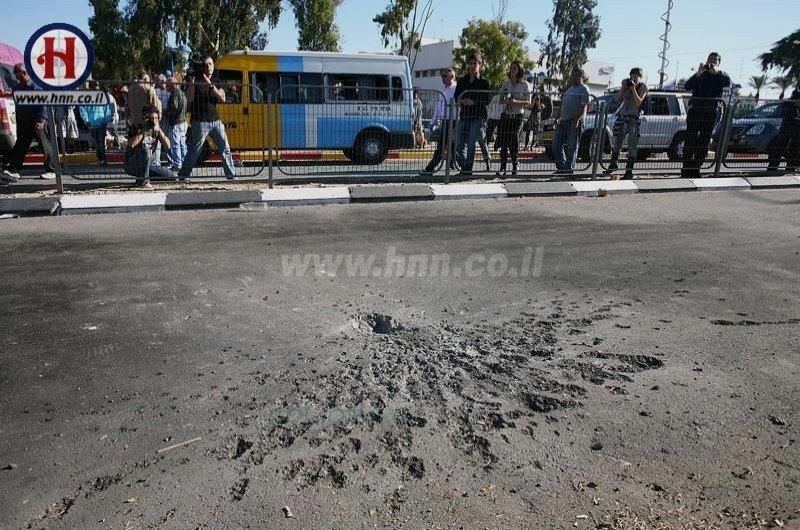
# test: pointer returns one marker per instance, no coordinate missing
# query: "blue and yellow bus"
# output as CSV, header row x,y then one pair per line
x,y
359,103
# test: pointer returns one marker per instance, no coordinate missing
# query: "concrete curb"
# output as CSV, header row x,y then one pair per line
x,y
721,184
112,203
160,201
596,188
468,191
403,192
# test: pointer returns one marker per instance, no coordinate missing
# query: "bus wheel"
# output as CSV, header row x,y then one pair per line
x,y
371,148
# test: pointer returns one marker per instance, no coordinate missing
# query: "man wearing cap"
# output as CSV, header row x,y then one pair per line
x,y
31,122
472,96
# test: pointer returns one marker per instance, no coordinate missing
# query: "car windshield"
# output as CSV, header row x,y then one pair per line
x,y
611,102
767,111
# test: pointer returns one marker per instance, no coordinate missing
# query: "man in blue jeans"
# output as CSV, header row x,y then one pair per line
x,y
574,106
472,95
202,97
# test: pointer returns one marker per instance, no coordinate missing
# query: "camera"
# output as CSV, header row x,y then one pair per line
x,y
707,67
149,123
629,83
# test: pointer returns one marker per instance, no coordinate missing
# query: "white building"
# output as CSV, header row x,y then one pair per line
x,y
438,54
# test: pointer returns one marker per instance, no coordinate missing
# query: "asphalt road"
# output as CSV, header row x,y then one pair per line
x,y
641,361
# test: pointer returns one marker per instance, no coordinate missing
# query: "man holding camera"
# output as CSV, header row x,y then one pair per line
x,y
707,85
141,150
632,94
202,97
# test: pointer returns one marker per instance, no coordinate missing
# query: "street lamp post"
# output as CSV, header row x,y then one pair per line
x,y
183,50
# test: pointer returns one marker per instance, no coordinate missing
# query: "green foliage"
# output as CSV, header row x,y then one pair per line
x,y
136,37
499,44
784,56
572,31
108,41
402,23
316,26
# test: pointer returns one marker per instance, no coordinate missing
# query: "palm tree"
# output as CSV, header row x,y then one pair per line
x,y
783,82
758,82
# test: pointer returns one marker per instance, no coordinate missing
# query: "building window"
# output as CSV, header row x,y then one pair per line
x,y
416,74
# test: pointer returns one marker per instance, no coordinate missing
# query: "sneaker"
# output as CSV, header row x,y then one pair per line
x,y
232,178
48,176
145,186
9,176
465,173
425,173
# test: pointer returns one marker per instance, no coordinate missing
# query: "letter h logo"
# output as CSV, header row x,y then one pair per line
x,y
48,58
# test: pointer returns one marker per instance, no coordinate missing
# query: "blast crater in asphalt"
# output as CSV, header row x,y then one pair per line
x,y
472,389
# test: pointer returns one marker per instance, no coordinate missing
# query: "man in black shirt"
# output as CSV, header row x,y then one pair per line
x,y
472,95
202,97
787,142
706,85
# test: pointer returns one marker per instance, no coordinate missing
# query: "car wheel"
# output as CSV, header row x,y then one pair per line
x,y
371,148
676,147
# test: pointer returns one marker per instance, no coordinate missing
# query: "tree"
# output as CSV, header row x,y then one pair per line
x,y
784,56
316,26
136,37
499,44
500,10
215,27
402,24
782,82
108,42
572,31
758,82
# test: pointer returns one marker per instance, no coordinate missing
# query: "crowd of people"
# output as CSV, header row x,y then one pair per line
x,y
156,119
469,112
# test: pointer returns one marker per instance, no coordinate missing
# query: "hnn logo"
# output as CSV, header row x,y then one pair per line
x,y
59,57
67,58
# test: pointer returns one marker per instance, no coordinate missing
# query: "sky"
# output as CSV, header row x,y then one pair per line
x,y
738,29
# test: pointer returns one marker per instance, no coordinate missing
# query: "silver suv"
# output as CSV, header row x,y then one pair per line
x,y
662,126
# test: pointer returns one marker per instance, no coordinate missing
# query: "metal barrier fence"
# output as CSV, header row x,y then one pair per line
x,y
762,134
314,130
326,130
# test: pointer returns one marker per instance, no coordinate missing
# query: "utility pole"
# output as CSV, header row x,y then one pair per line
x,y
665,39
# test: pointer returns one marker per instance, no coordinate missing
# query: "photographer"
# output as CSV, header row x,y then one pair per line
x,y
140,153
202,97
706,85
632,94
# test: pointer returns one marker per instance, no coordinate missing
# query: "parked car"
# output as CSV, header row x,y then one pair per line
x,y
9,56
754,132
662,126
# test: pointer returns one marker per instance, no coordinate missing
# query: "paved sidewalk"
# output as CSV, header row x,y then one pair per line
x,y
120,197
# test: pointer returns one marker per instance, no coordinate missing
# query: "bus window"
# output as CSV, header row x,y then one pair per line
x,y
397,89
231,81
266,83
343,87
311,90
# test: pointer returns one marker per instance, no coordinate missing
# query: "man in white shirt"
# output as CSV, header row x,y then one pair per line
x,y
449,90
